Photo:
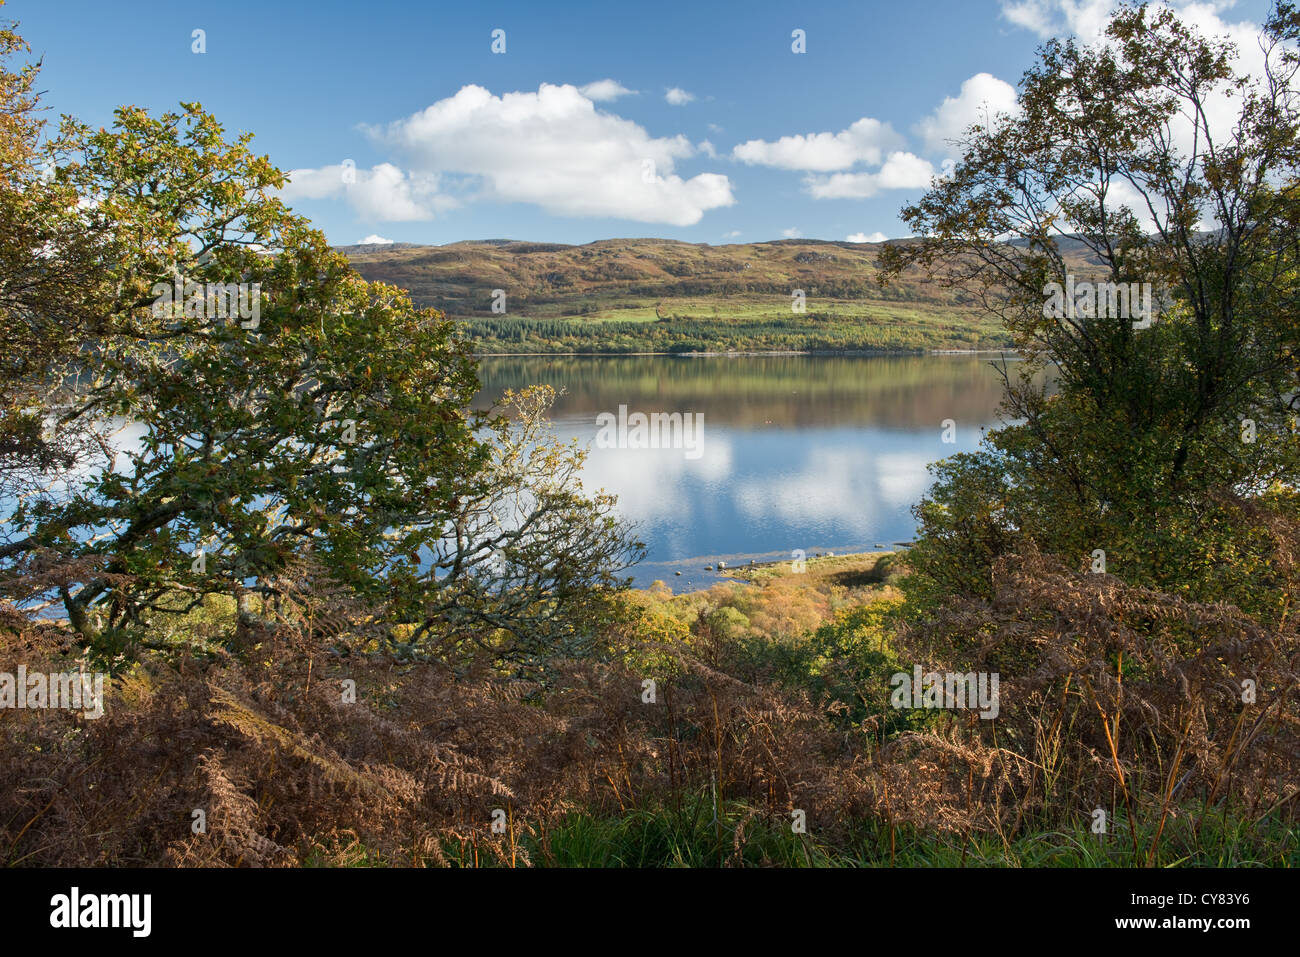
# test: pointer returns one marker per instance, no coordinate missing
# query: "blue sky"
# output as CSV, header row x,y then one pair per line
x,y
451,141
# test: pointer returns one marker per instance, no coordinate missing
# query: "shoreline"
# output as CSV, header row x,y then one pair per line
x,y
863,353
704,573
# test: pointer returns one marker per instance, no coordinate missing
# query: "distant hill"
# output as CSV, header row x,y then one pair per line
x,y
626,294
553,280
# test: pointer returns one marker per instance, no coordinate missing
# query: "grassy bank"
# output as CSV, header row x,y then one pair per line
x,y
728,326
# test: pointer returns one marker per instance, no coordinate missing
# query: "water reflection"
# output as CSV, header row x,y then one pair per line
x,y
799,452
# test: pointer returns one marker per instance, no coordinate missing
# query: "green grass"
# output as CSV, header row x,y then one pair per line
x,y
690,835
855,567
886,330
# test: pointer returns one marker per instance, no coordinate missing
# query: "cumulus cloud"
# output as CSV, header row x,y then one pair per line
x,y
554,149
791,233
864,142
981,98
373,240
603,90
1085,19
731,235
678,97
868,142
900,171
876,237
382,193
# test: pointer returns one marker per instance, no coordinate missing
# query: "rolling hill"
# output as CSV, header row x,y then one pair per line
x,y
659,295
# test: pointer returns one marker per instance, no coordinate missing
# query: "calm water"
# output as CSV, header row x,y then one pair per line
x,y
798,452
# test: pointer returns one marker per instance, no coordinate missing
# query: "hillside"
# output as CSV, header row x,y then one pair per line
x,y
628,295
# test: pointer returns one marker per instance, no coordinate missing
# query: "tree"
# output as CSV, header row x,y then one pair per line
x,y
530,568
259,405
49,293
1148,159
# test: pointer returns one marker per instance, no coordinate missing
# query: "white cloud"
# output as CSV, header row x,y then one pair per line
x,y
603,90
876,237
553,148
382,193
731,235
864,142
373,240
1036,16
791,233
705,147
982,97
900,171
1085,19
678,97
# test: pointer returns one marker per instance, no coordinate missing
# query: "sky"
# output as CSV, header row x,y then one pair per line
x,y
432,122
